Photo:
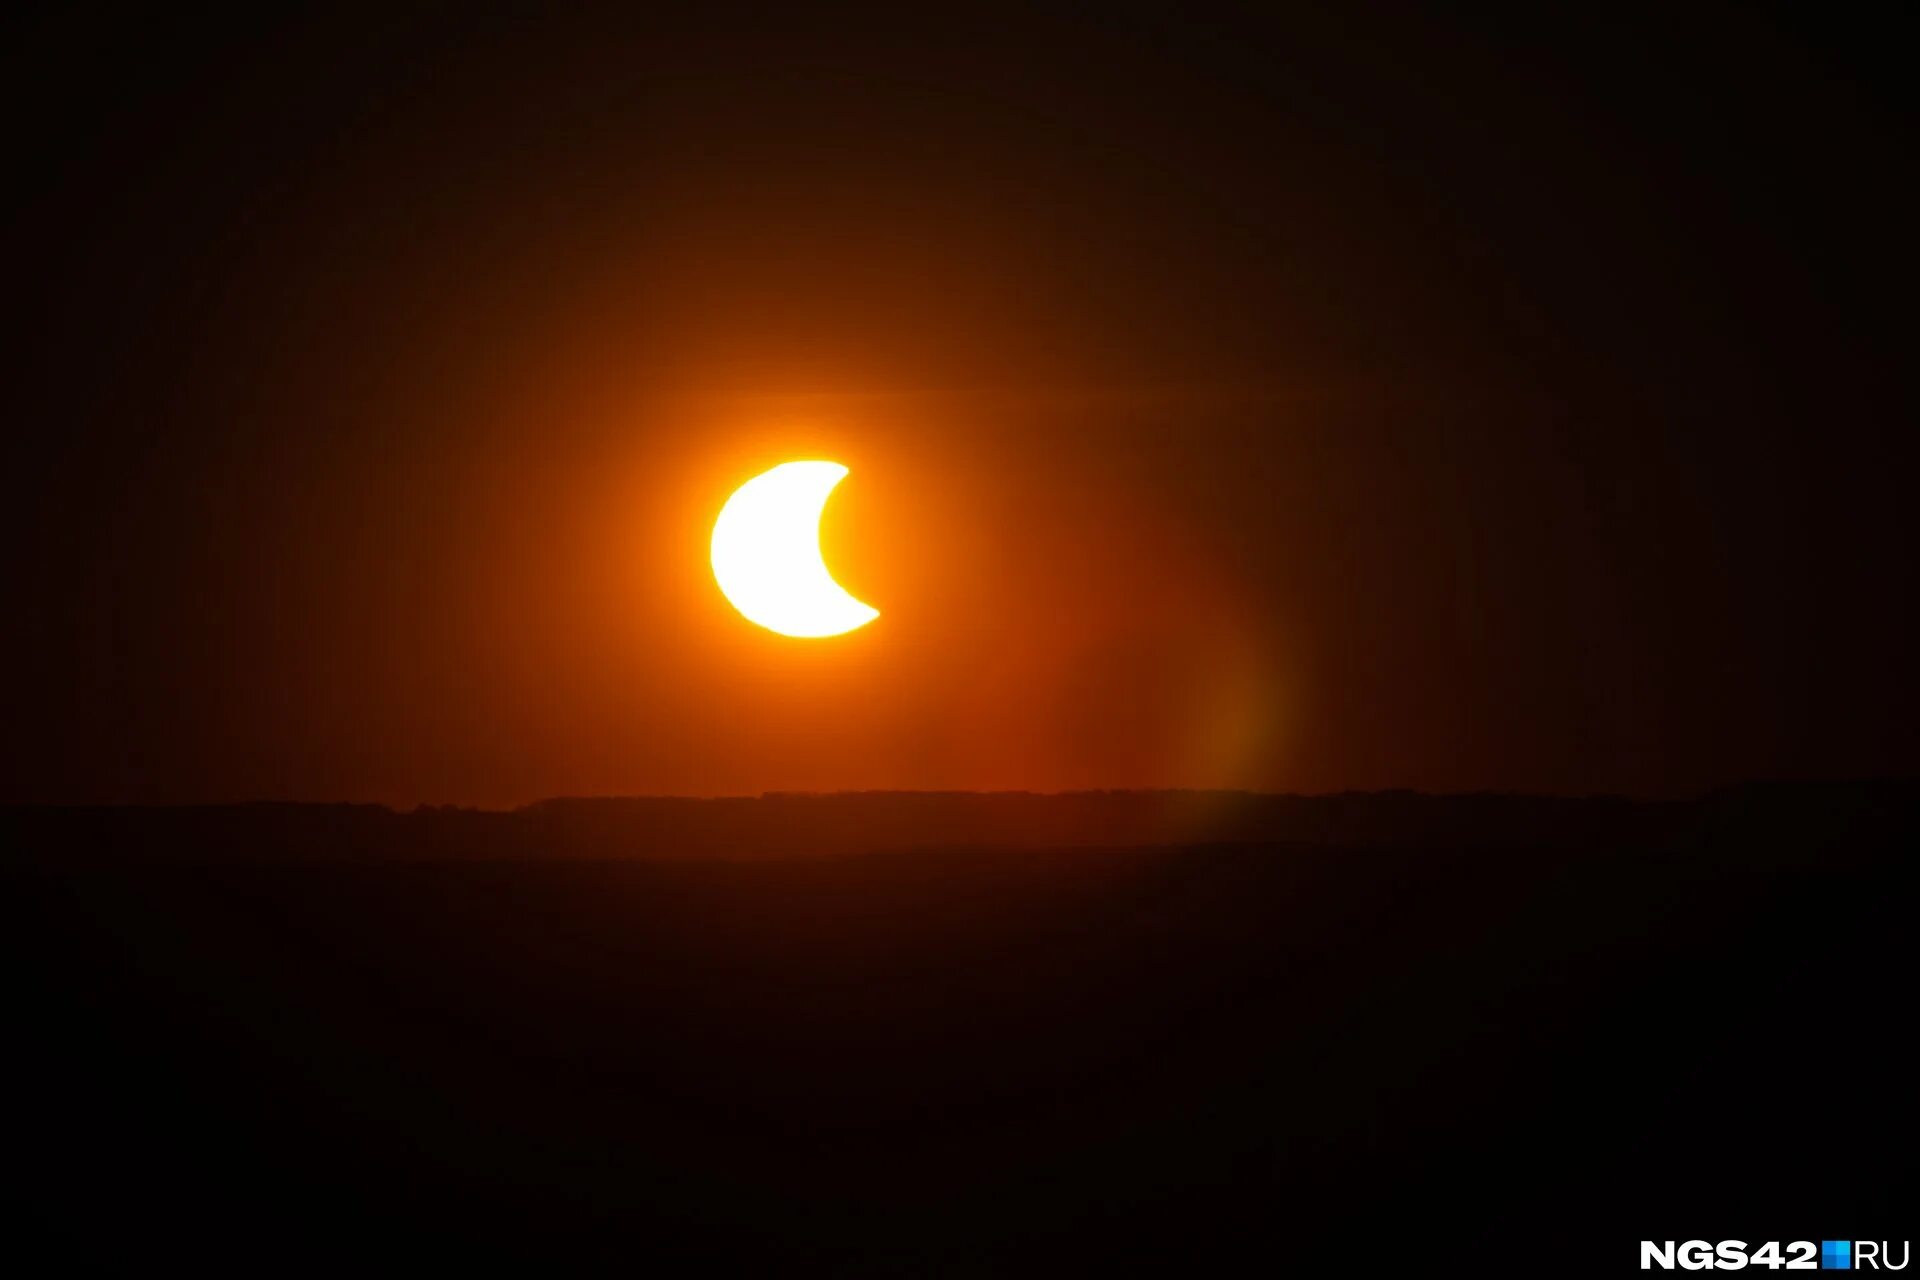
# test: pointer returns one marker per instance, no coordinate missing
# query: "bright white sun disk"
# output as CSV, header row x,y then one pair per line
x,y
766,553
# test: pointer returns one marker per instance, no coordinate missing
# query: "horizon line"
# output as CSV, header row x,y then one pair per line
x,y
431,807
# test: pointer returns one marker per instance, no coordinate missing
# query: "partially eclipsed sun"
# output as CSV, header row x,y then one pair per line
x,y
766,553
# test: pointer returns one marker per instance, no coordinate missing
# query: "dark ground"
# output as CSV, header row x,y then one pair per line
x,y
1511,1035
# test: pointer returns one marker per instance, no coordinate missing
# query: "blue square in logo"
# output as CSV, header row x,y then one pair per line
x,y
1836,1255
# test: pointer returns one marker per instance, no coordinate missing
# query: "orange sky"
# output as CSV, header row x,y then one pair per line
x,y
1220,412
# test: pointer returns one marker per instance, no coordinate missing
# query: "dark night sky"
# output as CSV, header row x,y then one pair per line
x,y
1292,402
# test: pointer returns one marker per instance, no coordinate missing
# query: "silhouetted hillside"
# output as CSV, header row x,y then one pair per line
x,y
1084,1034
801,825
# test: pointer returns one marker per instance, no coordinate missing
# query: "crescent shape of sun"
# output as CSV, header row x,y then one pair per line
x,y
766,553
